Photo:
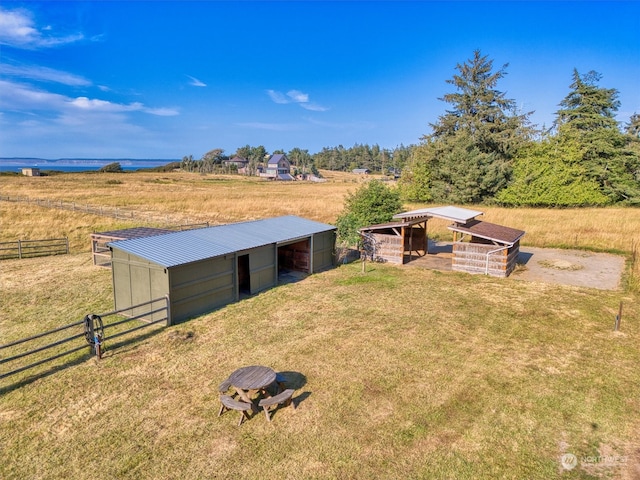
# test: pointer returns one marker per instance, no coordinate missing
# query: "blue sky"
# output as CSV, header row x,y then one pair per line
x,y
144,79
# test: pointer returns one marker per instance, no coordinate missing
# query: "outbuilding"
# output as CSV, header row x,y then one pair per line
x,y
478,246
203,269
31,172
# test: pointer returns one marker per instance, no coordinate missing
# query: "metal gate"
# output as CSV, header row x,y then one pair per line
x,y
89,332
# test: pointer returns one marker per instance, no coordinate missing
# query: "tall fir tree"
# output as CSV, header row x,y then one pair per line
x,y
586,161
471,147
587,119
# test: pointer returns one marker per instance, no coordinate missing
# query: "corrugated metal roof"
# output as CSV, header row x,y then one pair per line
x,y
383,226
489,231
188,246
456,214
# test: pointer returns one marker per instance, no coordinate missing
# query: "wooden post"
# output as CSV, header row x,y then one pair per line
x,y
616,326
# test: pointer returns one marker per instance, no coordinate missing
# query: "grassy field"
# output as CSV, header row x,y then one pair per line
x,y
399,372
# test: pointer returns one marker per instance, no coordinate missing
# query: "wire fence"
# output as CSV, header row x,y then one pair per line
x,y
119,213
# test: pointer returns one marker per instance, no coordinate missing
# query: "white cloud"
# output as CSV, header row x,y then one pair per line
x,y
44,74
297,97
314,107
195,82
278,97
18,29
26,99
162,112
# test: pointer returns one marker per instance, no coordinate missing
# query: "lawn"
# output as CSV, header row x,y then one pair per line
x,y
399,372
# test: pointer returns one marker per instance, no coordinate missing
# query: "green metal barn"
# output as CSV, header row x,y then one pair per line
x,y
203,269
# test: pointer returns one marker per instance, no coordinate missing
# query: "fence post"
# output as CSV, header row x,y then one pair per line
x,y
19,249
168,310
67,242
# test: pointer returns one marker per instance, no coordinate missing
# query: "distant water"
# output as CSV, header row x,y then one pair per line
x,y
78,164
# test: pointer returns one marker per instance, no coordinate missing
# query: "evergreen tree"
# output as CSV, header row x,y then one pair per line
x,y
415,182
587,119
550,174
586,161
471,148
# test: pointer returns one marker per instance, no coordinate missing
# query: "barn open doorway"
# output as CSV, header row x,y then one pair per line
x,y
244,275
295,257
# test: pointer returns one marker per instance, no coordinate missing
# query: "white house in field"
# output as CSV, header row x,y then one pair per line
x,y
278,168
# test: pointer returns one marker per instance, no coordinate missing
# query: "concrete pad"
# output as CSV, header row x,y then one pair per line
x,y
570,267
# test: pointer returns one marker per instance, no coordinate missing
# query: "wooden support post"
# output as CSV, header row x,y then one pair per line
x,y
616,326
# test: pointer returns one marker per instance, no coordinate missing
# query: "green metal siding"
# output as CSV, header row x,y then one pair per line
x,y
136,281
204,285
263,268
323,250
200,287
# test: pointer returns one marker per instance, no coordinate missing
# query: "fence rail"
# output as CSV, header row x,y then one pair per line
x,y
118,213
34,248
148,313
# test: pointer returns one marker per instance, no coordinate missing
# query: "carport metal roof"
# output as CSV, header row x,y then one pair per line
x,y
178,248
399,224
455,214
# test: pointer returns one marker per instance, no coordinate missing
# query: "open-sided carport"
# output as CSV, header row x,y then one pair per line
x,y
203,269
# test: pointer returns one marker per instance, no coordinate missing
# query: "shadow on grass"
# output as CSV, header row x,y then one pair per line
x,y
295,380
111,350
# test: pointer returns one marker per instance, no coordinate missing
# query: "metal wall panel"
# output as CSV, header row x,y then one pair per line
x,y
323,250
263,268
200,287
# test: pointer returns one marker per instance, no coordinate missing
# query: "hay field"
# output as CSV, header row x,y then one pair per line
x,y
399,372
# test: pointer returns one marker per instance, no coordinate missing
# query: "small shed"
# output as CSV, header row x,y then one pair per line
x,y
395,242
491,249
478,246
99,241
203,269
31,172
361,171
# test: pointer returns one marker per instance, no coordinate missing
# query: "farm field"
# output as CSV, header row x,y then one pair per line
x,y
399,372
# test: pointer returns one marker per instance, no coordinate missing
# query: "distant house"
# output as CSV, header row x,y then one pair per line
x,y
31,172
239,162
361,171
278,168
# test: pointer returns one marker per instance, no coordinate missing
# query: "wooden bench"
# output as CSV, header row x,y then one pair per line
x,y
225,386
283,397
229,403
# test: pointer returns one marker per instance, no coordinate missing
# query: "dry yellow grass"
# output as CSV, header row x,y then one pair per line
x,y
180,198
403,373
480,378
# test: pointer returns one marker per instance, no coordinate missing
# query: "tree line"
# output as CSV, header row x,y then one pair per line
x,y
374,158
482,149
